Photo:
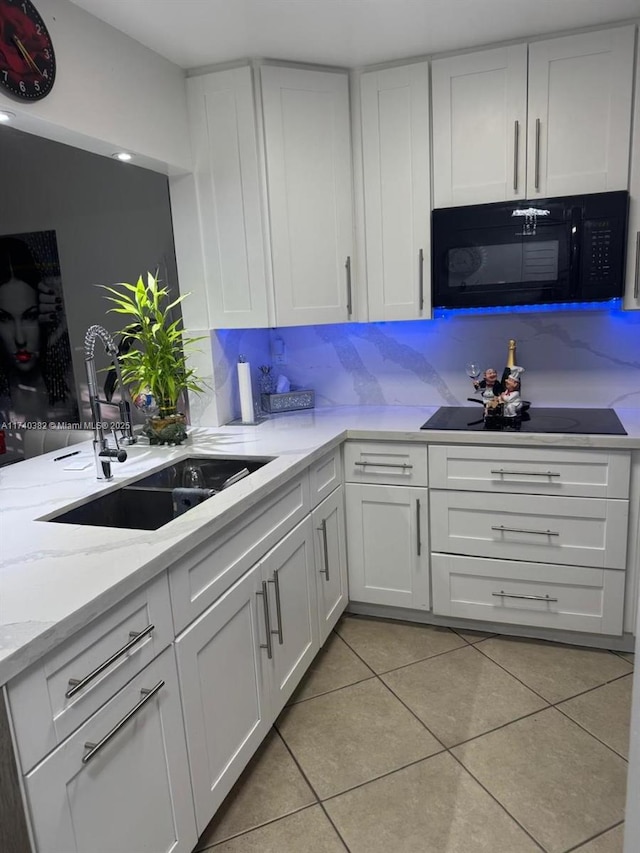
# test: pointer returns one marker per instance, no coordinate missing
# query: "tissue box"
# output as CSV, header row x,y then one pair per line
x,y
289,402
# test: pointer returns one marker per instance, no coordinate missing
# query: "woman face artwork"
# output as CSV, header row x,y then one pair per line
x,y
19,327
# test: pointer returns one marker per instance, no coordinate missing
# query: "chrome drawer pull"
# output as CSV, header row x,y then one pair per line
x,y
276,583
404,465
537,157
516,134
94,748
267,620
419,543
636,281
503,471
347,267
420,280
504,529
325,544
76,684
502,594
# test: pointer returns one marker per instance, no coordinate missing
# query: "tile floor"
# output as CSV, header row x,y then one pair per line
x,y
415,739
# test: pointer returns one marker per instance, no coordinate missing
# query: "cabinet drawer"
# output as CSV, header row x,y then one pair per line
x,y
134,793
550,596
385,462
44,715
570,531
325,475
531,470
211,569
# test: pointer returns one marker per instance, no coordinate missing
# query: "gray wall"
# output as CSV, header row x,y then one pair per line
x,y
112,222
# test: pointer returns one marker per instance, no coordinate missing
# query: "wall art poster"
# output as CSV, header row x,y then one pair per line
x,y
37,388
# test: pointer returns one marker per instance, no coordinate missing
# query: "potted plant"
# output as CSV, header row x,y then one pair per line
x,y
152,360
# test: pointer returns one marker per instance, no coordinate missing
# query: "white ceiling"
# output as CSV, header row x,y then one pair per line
x,y
351,33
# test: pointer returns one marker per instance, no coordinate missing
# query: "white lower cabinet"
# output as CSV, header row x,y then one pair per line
x,y
330,561
387,545
241,660
536,594
130,789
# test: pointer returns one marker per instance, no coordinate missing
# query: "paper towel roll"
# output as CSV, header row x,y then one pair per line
x,y
246,394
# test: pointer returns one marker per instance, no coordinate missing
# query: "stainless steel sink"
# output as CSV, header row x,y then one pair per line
x,y
155,500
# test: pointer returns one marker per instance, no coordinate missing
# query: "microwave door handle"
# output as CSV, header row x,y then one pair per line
x,y
574,258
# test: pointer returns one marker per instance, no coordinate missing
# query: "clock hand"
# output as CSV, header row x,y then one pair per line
x,y
26,55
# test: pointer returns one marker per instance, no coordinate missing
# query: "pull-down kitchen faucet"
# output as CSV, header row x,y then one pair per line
x,y
101,450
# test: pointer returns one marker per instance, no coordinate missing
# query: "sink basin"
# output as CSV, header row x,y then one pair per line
x,y
150,502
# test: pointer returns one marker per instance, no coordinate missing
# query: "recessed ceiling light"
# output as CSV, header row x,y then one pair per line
x,y
123,155
5,115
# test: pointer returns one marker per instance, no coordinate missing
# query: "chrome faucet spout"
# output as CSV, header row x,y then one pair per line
x,y
101,450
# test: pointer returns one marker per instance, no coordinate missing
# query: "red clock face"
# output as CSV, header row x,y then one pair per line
x,y
27,61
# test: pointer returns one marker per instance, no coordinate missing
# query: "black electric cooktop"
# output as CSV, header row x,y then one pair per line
x,y
585,421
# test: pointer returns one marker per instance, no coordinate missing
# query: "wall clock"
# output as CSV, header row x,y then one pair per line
x,y
27,60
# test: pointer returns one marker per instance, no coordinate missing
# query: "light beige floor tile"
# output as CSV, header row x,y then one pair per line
x,y
553,670
609,842
605,712
433,806
462,694
334,666
353,735
387,645
307,831
627,656
271,786
473,636
558,782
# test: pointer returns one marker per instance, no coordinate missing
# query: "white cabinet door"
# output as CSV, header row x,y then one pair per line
x,y
479,126
330,561
288,571
395,152
229,198
632,288
308,155
224,691
134,793
580,90
387,545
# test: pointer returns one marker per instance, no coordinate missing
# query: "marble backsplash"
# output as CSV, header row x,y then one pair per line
x,y
571,358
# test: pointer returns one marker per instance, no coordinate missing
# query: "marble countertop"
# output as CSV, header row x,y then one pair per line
x,y
56,578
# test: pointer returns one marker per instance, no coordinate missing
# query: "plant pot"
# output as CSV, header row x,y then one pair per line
x,y
166,428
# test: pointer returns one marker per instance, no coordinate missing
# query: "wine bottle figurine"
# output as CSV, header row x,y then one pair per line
x,y
510,396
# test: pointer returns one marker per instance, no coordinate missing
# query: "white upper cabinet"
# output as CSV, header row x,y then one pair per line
x,y
228,199
266,221
479,126
396,182
308,157
577,109
632,291
580,90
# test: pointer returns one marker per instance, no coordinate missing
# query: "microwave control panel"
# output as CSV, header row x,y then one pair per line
x,y
602,253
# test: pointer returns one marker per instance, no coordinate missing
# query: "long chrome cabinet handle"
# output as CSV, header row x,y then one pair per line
x,y
420,280
516,140
504,529
347,266
276,583
537,163
418,532
94,748
502,594
526,473
76,685
267,620
636,283
325,545
403,465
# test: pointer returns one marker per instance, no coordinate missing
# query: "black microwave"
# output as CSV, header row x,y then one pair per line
x,y
533,252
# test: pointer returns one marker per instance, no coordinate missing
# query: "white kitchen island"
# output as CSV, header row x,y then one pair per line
x,y
58,581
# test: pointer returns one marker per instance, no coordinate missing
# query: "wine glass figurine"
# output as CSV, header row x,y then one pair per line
x,y
473,370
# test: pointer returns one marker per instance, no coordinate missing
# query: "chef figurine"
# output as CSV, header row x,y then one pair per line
x,y
489,385
511,395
